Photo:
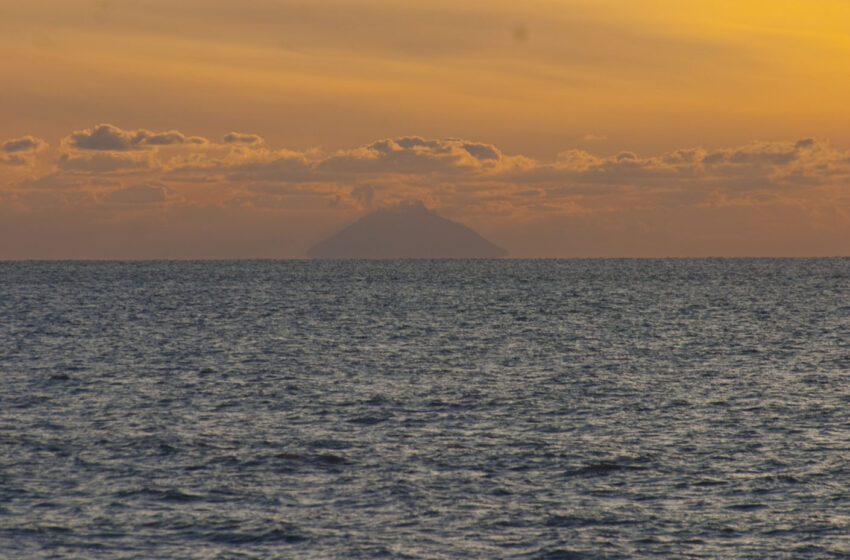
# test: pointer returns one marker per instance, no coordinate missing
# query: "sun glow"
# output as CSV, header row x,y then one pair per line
x,y
600,78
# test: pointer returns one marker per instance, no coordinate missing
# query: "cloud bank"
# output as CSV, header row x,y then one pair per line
x,y
445,165
138,170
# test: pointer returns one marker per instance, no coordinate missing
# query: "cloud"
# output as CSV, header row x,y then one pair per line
x,y
55,180
450,172
474,181
138,194
116,149
108,137
408,155
19,152
165,139
286,167
805,143
104,162
775,165
482,151
364,194
759,153
239,138
25,144
415,155
14,160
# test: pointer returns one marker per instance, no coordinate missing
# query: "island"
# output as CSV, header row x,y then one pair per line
x,y
407,231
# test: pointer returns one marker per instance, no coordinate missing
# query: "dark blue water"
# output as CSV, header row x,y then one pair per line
x,y
425,409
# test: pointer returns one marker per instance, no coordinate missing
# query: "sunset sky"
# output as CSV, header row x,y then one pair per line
x,y
555,128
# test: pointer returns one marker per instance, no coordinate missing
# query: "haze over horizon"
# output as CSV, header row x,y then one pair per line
x,y
220,129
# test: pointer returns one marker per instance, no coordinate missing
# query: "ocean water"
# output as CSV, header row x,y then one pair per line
x,y
425,409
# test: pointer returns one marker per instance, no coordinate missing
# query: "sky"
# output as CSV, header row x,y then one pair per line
x,y
137,129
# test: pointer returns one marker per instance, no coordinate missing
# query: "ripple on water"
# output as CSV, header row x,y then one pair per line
x,y
486,409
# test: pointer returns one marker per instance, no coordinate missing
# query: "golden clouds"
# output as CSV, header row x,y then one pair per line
x,y
20,151
107,137
447,165
114,174
25,144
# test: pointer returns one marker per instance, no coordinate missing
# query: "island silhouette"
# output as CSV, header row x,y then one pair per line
x,y
407,231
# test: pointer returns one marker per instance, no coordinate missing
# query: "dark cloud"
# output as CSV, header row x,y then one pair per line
x,y
25,144
239,138
684,156
413,155
763,158
13,159
108,137
762,153
481,151
805,143
364,194
408,143
20,151
165,138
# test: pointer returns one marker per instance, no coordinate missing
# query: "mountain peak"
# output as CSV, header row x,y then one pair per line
x,y
407,231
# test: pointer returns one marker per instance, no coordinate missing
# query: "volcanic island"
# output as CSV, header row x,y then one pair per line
x,y
408,231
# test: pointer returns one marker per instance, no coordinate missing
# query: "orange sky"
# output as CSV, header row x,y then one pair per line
x,y
254,128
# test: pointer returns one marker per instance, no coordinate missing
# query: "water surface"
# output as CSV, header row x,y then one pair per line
x,y
425,409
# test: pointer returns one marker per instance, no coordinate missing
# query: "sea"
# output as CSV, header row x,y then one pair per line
x,y
457,409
